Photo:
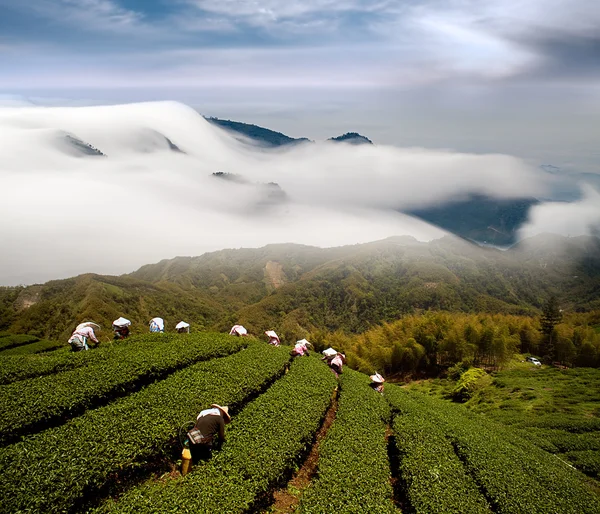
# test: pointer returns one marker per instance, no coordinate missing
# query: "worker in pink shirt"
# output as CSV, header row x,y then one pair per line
x,y
335,360
273,337
300,348
80,336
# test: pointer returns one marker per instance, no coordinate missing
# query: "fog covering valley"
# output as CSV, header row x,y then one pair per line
x,y
106,189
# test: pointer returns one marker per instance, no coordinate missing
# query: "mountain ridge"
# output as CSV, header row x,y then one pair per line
x,y
351,287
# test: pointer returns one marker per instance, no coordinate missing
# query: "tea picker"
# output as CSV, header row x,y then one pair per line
x,y
238,330
377,382
335,360
204,434
81,334
273,337
121,328
157,325
182,327
300,348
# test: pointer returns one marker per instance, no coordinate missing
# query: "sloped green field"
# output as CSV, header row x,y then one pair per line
x,y
113,446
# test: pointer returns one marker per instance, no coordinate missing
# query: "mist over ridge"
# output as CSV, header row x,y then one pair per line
x,y
107,189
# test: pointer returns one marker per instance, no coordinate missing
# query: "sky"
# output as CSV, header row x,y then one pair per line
x,y
510,76
460,97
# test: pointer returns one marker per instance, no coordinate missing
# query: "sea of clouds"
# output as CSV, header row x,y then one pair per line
x,y
66,211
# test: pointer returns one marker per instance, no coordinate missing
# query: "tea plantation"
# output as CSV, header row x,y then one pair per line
x,y
98,431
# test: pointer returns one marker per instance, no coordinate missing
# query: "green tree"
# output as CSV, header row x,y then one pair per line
x,y
551,316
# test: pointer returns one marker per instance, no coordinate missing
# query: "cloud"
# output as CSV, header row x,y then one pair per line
x,y
103,15
568,219
68,212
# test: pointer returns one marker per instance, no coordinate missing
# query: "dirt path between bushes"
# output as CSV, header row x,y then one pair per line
x,y
286,499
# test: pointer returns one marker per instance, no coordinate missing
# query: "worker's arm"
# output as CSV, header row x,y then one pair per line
x,y
93,337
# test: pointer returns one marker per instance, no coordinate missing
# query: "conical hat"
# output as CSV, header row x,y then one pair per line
x,y
121,322
87,324
224,411
377,378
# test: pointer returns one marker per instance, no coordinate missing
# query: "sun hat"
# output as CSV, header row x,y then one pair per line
x,y
224,411
377,378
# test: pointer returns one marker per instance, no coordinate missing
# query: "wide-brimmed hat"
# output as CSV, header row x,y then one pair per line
x,y
224,411
377,378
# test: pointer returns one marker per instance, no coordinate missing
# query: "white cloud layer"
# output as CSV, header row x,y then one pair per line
x,y
568,219
65,212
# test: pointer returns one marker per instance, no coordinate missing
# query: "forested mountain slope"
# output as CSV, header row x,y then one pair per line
x,y
294,288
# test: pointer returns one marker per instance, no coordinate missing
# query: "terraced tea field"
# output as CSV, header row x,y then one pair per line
x,y
98,431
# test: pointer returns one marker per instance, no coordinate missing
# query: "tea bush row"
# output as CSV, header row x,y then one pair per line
x,y
353,471
30,405
586,461
60,469
33,348
514,474
20,367
433,478
12,340
265,441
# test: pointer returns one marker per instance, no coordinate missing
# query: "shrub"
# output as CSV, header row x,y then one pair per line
x,y
353,471
264,443
63,468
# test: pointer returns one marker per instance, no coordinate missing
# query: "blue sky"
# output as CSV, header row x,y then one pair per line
x,y
310,66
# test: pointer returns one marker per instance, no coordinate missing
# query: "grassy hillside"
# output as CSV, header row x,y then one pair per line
x,y
296,289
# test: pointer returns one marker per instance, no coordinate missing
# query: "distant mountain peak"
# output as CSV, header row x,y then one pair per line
x,y
264,136
354,138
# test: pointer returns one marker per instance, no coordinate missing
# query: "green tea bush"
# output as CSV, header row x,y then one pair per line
x,y
12,340
19,367
31,405
434,479
63,468
353,472
586,461
514,474
31,348
265,441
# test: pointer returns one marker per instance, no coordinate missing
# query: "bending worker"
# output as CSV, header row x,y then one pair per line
x,y
377,382
157,325
273,337
300,348
121,328
209,429
79,337
238,330
335,360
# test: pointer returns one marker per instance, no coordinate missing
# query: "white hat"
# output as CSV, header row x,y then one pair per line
x,y
121,322
238,330
87,324
330,352
377,378
224,411
303,341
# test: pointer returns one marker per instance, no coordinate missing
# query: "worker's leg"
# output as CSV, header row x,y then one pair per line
x,y
201,452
